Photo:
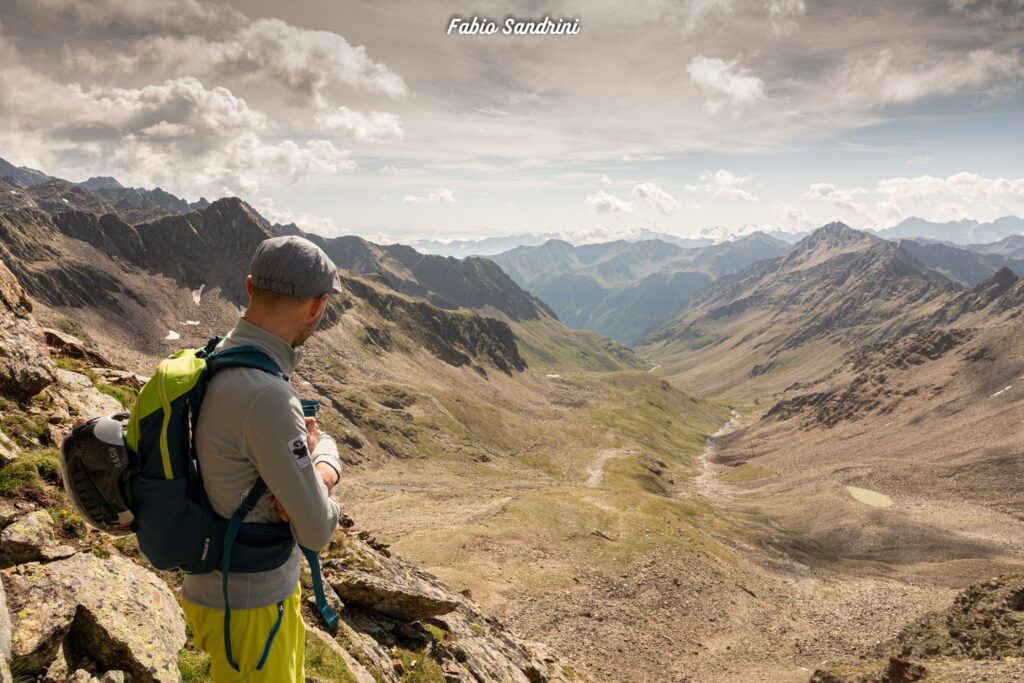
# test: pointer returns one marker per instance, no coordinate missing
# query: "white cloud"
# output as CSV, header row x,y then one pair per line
x,y
605,180
602,202
897,76
783,14
918,160
656,197
177,134
376,126
883,214
964,186
727,82
723,184
442,197
307,222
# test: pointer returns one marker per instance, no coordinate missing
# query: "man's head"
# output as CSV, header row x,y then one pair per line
x,y
289,281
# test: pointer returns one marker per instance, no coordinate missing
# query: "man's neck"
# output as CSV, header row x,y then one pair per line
x,y
275,327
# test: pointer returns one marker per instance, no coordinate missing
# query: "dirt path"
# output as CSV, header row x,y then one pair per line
x,y
707,481
596,469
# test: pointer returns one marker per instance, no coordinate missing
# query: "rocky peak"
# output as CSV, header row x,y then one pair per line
x,y
104,182
835,235
56,195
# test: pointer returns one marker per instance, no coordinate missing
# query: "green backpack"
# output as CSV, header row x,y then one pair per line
x,y
176,526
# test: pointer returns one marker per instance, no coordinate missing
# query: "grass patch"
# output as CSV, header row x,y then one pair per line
x,y
418,667
124,395
28,431
26,476
193,664
747,472
440,635
323,663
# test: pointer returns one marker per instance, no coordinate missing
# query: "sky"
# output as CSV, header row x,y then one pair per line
x,y
691,117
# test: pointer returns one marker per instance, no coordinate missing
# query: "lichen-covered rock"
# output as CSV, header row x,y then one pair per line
x,y
77,392
24,539
25,366
122,615
8,450
400,596
5,638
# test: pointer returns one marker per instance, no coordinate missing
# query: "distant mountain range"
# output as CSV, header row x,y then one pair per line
x,y
782,317
958,232
622,288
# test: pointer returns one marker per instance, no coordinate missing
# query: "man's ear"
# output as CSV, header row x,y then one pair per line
x,y
248,285
318,306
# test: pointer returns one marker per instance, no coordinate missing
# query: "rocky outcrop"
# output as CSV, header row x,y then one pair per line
x,y
403,606
119,614
25,367
984,624
24,540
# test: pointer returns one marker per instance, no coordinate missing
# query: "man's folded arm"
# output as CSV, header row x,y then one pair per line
x,y
276,442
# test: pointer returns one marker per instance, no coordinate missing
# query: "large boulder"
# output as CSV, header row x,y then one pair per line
x,y
395,596
24,539
123,616
25,365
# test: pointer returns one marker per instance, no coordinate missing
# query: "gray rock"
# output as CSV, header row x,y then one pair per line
x,y
24,539
82,676
5,626
123,616
8,450
25,365
80,397
114,677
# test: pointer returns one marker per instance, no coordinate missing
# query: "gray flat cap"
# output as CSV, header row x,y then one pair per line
x,y
294,266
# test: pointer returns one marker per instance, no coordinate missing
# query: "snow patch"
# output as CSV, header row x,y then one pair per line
x,y
172,336
64,200
552,376
197,294
191,322
1001,391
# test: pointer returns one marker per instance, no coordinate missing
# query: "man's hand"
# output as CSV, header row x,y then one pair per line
x,y
327,474
312,434
275,505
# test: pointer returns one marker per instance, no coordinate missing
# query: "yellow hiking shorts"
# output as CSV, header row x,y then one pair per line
x,y
250,629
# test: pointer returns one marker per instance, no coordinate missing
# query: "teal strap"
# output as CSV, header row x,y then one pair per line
x,y
270,639
328,614
234,526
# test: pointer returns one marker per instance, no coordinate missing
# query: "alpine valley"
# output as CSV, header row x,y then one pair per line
x,y
637,461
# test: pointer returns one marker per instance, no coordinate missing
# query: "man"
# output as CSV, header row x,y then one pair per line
x,y
251,425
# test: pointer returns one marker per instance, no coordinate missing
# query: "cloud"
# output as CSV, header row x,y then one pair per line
x,y
605,180
918,160
602,202
782,15
214,43
322,225
376,126
899,76
729,83
304,62
964,186
442,197
883,214
698,13
177,134
723,184
656,197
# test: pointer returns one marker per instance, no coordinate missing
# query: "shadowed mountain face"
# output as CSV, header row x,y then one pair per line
x,y
1010,247
448,282
835,289
621,289
961,265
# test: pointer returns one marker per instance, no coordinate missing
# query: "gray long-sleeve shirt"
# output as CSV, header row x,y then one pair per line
x,y
251,425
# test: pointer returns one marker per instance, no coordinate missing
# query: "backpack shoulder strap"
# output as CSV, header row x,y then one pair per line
x,y
242,357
